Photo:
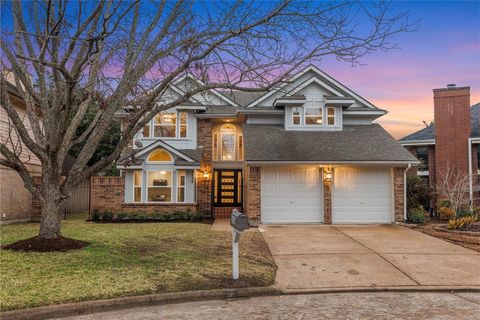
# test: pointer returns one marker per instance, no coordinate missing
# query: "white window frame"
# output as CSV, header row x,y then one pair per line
x,y
148,187
179,186
139,186
334,116
178,125
159,162
301,112
305,116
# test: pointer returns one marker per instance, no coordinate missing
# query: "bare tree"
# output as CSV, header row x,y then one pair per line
x,y
68,55
454,186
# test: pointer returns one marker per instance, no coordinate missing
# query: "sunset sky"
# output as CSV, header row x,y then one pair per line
x,y
446,49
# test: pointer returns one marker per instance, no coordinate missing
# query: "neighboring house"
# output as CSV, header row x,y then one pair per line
x,y
16,202
306,152
452,142
15,199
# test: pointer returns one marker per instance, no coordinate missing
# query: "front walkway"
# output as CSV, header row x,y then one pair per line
x,y
317,256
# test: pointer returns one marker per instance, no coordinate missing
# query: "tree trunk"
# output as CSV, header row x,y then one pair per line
x,y
51,214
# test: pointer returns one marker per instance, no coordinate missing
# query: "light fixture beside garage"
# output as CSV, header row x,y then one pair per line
x,y
327,173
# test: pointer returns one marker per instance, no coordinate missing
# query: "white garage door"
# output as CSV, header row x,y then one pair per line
x,y
291,195
362,195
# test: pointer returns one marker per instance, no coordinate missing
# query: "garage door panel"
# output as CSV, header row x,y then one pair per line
x,y
291,195
362,195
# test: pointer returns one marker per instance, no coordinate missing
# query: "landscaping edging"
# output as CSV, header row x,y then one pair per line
x,y
86,307
467,233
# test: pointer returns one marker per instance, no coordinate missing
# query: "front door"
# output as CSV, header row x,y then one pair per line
x,y
227,188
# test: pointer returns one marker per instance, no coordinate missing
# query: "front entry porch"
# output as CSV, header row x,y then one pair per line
x,y
227,192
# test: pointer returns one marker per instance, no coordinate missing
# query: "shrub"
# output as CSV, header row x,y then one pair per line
x,y
417,215
446,213
461,223
108,216
418,192
95,215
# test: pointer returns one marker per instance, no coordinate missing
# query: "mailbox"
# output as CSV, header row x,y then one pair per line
x,y
239,221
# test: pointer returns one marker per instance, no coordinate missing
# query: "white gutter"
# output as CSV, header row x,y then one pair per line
x,y
405,192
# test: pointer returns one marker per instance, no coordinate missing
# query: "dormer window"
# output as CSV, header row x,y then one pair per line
x,y
331,116
313,116
297,116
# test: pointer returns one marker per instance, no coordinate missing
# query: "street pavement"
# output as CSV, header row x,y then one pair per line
x,y
378,305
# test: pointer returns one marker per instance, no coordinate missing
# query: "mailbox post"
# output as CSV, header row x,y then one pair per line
x,y
239,223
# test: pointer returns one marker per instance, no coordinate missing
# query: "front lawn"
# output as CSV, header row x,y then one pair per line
x,y
127,259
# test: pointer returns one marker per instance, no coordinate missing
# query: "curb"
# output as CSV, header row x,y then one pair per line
x,y
87,307
287,291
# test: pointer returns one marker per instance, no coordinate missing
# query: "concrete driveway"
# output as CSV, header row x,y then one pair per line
x,y
318,256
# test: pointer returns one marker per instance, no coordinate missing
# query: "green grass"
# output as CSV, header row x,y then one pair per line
x,y
125,260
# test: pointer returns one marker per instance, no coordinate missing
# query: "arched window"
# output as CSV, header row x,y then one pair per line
x,y
160,156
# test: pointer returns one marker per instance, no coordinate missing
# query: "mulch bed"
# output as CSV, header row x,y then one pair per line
x,y
464,240
36,244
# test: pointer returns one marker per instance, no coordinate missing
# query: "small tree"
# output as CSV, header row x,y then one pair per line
x,y
453,186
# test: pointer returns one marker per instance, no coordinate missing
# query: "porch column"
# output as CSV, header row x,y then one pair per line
x,y
327,201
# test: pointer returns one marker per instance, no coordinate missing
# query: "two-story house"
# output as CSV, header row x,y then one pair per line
x,y
305,152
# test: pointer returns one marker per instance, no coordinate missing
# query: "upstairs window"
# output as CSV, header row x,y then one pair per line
x,y
168,125
331,116
296,116
422,155
313,116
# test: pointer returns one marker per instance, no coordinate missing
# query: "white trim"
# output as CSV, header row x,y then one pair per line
x,y
321,73
310,81
214,91
417,142
148,187
133,188
356,112
160,143
334,117
158,162
316,125
423,173
184,187
180,92
339,101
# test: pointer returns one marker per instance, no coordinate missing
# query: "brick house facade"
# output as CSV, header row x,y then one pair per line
x,y
265,154
447,143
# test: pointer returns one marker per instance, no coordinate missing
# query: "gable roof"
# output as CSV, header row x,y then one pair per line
x,y
216,92
324,76
358,143
428,133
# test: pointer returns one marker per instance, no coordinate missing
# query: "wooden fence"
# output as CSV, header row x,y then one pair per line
x,y
79,199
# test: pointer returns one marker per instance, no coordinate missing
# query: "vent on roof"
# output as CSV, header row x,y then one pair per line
x,y
451,85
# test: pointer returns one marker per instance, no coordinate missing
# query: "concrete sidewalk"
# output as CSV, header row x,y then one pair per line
x,y
318,256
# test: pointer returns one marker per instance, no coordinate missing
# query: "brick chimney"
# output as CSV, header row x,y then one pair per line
x,y
452,128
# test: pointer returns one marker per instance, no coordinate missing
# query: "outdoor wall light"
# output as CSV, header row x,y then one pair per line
x,y
328,176
205,175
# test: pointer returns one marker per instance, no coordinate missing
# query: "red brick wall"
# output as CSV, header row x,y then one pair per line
x,y
252,192
106,193
398,193
327,202
452,129
204,186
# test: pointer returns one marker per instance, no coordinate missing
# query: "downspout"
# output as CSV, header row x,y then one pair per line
x,y
470,173
405,192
